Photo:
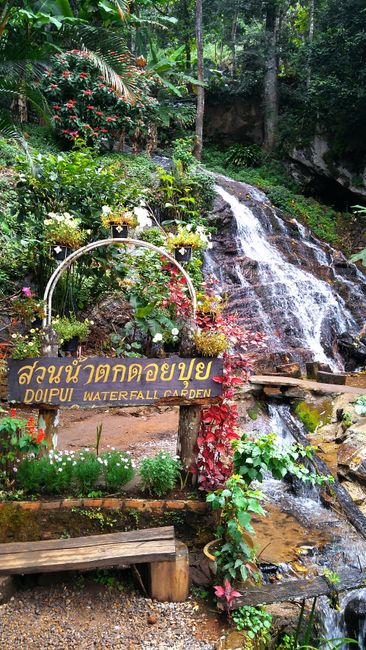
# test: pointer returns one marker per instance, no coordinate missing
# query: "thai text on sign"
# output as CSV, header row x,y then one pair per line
x,y
96,381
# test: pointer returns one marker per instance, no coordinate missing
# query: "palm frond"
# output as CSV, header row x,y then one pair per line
x,y
123,8
123,85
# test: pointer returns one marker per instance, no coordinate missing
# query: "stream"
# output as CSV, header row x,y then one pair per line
x,y
303,295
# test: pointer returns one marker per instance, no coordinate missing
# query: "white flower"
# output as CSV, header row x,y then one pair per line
x,y
175,331
157,338
189,227
143,218
210,244
106,209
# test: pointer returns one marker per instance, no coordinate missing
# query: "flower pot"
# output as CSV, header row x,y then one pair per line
x,y
119,231
208,552
70,346
172,347
183,253
59,252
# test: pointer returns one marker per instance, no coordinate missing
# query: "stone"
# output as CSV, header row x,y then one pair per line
x,y
290,370
357,493
352,453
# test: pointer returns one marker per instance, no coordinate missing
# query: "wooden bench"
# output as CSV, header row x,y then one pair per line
x,y
167,559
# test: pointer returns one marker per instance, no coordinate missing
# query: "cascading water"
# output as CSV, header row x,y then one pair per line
x,y
283,281
345,547
302,294
307,303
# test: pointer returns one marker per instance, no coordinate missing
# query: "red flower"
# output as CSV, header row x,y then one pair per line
x,y
73,117
65,131
109,119
53,86
83,75
40,436
30,425
98,112
66,73
90,107
13,413
104,130
56,108
87,92
74,134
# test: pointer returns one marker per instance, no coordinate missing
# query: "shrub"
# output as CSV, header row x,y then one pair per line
x,y
87,470
86,106
51,474
241,155
117,467
256,621
159,474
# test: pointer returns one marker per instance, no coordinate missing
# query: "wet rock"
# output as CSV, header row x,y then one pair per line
x,y
357,493
355,620
352,350
352,453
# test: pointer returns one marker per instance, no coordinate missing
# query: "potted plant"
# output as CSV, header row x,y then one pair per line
x,y
118,220
62,231
185,240
71,332
27,306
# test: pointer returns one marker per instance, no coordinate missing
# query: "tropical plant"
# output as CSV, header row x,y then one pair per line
x,y
210,344
17,437
256,621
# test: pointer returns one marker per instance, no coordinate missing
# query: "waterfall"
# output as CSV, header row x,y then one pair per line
x,y
276,288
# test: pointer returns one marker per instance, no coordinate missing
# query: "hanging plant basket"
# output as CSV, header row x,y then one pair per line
x,y
183,253
60,252
71,346
119,231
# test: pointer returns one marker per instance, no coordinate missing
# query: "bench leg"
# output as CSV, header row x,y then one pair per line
x,y
169,581
7,588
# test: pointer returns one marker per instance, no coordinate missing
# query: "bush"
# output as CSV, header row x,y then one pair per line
x,y
241,155
86,106
51,474
159,474
118,469
87,470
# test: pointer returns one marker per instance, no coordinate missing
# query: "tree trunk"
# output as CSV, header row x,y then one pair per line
x,y
200,89
271,78
310,39
234,29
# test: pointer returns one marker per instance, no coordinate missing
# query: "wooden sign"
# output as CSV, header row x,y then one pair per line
x,y
96,381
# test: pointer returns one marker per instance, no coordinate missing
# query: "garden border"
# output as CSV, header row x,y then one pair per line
x,y
112,503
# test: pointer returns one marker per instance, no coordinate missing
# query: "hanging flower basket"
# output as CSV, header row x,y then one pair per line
x,y
119,231
183,253
59,252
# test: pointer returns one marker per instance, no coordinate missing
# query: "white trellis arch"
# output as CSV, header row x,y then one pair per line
x,y
52,283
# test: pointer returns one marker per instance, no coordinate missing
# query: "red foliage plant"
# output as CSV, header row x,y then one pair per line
x,y
219,422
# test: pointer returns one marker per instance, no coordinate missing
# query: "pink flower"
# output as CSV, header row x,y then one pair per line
x,y
27,292
227,592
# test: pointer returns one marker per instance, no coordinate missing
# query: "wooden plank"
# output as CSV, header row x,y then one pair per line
x,y
299,589
146,534
87,557
306,384
170,580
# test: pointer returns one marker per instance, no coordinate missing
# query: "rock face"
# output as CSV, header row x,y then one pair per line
x,y
355,620
282,280
317,158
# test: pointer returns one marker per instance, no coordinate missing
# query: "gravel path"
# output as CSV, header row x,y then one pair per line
x,y
63,617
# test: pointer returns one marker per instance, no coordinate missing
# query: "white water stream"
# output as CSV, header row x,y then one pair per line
x,y
307,302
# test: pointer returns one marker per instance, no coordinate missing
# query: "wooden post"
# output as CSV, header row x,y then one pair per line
x,y
48,416
189,416
169,581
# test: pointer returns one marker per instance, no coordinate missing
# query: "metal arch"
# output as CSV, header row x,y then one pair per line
x,y
51,285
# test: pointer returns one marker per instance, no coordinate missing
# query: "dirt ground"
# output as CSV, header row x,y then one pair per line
x,y
142,431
